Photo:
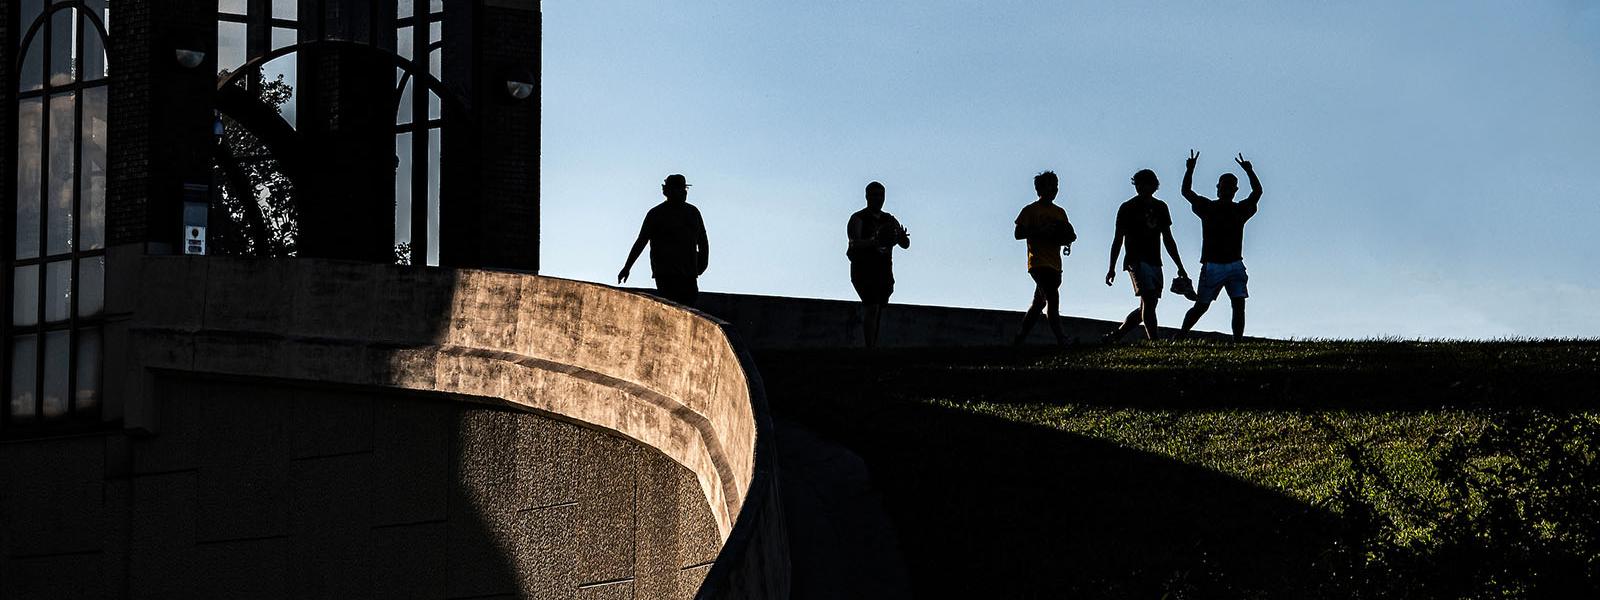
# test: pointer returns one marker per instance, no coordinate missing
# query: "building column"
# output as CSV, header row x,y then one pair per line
x,y
490,196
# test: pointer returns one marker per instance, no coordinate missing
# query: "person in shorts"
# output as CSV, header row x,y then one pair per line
x,y
1045,226
1144,224
873,234
1222,252
679,251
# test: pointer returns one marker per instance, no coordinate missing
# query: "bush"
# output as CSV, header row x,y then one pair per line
x,y
1518,517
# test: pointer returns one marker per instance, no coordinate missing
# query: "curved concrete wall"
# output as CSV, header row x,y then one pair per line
x,y
659,374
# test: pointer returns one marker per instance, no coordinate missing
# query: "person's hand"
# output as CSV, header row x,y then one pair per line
x,y
1243,164
1110,276
622,275
1193,156
905,234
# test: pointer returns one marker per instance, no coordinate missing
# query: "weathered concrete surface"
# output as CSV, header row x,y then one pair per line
x,y
650,372
507,513
777,322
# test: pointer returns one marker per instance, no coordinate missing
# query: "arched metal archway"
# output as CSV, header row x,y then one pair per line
x,y
286,143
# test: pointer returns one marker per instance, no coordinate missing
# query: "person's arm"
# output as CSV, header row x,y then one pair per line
x,y
1196,201
638,247
905,236
703,251
1172,250
1255,184
1021,232
1116,248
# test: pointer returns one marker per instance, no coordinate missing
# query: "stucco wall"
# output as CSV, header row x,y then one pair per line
x,y
664,377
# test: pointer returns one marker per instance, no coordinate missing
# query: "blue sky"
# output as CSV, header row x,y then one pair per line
x,y
1430,168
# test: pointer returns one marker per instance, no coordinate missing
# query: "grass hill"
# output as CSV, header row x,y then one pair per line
x,y
1202,469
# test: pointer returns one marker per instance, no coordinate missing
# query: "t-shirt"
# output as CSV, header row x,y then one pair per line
x,y
1039,217
1140,221
872,236
674,230
1223,224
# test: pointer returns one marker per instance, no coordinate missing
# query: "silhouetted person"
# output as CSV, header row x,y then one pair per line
x,y
1222,250
873,235
679,251
1047,230
1144,222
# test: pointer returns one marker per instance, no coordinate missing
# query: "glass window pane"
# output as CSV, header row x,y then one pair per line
x,y
24,376
433,197
283,66
91,285
30,155
402,188
94,53
435,68
86,392
32,75
284,36
402,43
25,296
57,359
63,44
405,9
63,156
230,46
233,7
92,171
30,11
57,291
435,6
405,107
285,9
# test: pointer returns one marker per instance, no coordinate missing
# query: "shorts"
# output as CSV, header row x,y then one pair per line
x,y
873,280
1147,279
1215,276
683,290
1044,278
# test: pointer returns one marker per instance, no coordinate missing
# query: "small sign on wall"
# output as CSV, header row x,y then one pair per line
x,y
194,240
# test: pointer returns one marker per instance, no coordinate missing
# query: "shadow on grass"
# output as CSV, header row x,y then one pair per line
x,y
986,507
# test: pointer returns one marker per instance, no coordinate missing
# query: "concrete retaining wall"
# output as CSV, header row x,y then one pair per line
x,y
777,322
657,374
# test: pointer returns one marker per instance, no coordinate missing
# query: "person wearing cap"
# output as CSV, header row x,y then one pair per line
x,y
1044,225
679,251
1144,223
873,234
1222,251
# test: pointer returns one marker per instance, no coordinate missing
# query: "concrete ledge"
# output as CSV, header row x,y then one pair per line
x,y
665,376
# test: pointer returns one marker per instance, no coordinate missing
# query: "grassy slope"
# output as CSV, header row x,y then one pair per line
x,y
1136,470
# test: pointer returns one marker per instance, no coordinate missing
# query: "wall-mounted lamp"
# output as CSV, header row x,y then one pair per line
x,y
519,89
189,59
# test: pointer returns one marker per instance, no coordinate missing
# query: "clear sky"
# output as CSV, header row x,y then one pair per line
x,y
1431,169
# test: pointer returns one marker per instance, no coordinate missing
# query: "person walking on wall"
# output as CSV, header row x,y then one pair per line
x,y
873,234
1222,250
1144,223
1044,225
679,251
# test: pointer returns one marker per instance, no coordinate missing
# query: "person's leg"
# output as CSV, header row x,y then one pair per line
x,y
1193,316
1238,319
1034,309
1148,312
1128,324
1052,298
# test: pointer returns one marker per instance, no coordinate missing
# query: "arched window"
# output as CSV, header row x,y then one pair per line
x,y
57,254
419,27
